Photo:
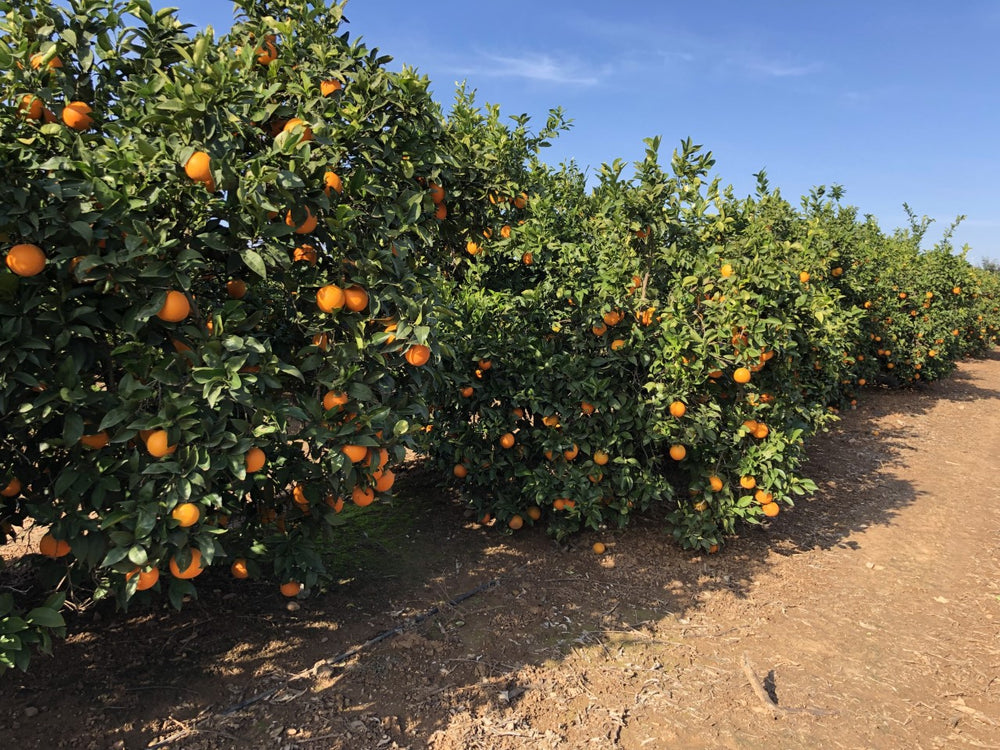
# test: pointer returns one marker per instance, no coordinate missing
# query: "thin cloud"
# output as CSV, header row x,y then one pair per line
x,y
774,69
534,66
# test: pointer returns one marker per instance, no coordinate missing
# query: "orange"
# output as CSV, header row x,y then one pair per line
x,y
49,546
291,588
507,440
175,307
199,169
336,503
726,271
193,569
332,181
306,253
355,298
956,290
587,408
528,259
36,61
308,224
748,483
186,514
468,391
418,355
299,495
437,193
534,513
515,523
601,457
473,248
460,471
570,453
599,548
255,460
441,212
330,298
599,330
362,497
304,129
678,452
268,53
771,510
741,375
678,409
762,431
505,233
95,441
157,444
617,344
715,483
763,497
13,488
384,483
30,107
236,288
147,578
77,116
239,568
334,399
330,86
804,277
321,341
354,452
612,318
521,201
551,421
26,260
837,271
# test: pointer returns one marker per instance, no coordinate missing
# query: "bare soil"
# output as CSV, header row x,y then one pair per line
x,y
866,617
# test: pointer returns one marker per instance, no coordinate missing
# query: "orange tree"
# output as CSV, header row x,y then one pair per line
x,y
652,340
217,306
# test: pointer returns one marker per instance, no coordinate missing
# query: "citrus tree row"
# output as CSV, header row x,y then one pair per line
x,y
218,292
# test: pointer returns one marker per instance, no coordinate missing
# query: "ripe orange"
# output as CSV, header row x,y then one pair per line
x,y
467,391
355,298
304,129
516,523
678,409
13,488
741,375
332,181
747,482
612,318
528,259
617,344
599,330
587,408
599,548
761,432
715,483
306,253
771,510
308,224
354,452
77,116
199,169
147,578
49,546
534,513
726,271
384,483
36,61
418,355
678,452
186,514
26,259
268,53
362,497
236,288
956,290
30,107
460,471
330,86
601,457
299,495
804,277
473,248
507,440
321,341
334,399
570,453
255,460
175,307
330,298
239,568
193,569
291,588
437,193
157,445
838,271
95,441
441,212
505,233
521,201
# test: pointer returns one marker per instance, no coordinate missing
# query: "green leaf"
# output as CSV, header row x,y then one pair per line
x,y
255,262
47,618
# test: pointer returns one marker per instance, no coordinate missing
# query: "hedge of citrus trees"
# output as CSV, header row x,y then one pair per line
x,y
219,291
242,275
656,340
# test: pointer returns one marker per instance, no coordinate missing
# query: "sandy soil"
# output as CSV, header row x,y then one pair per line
x,y
866,617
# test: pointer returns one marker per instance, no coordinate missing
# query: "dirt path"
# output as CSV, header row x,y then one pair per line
x,y
870,614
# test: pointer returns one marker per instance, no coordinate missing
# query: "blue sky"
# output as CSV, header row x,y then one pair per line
x,y
896,101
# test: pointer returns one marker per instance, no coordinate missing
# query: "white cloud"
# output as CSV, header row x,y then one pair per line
x,y
534,66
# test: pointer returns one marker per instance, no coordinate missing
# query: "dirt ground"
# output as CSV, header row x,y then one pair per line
x,y
866,617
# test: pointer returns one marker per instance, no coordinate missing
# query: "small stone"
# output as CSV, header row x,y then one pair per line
x,y
293,606
31,711
870,565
